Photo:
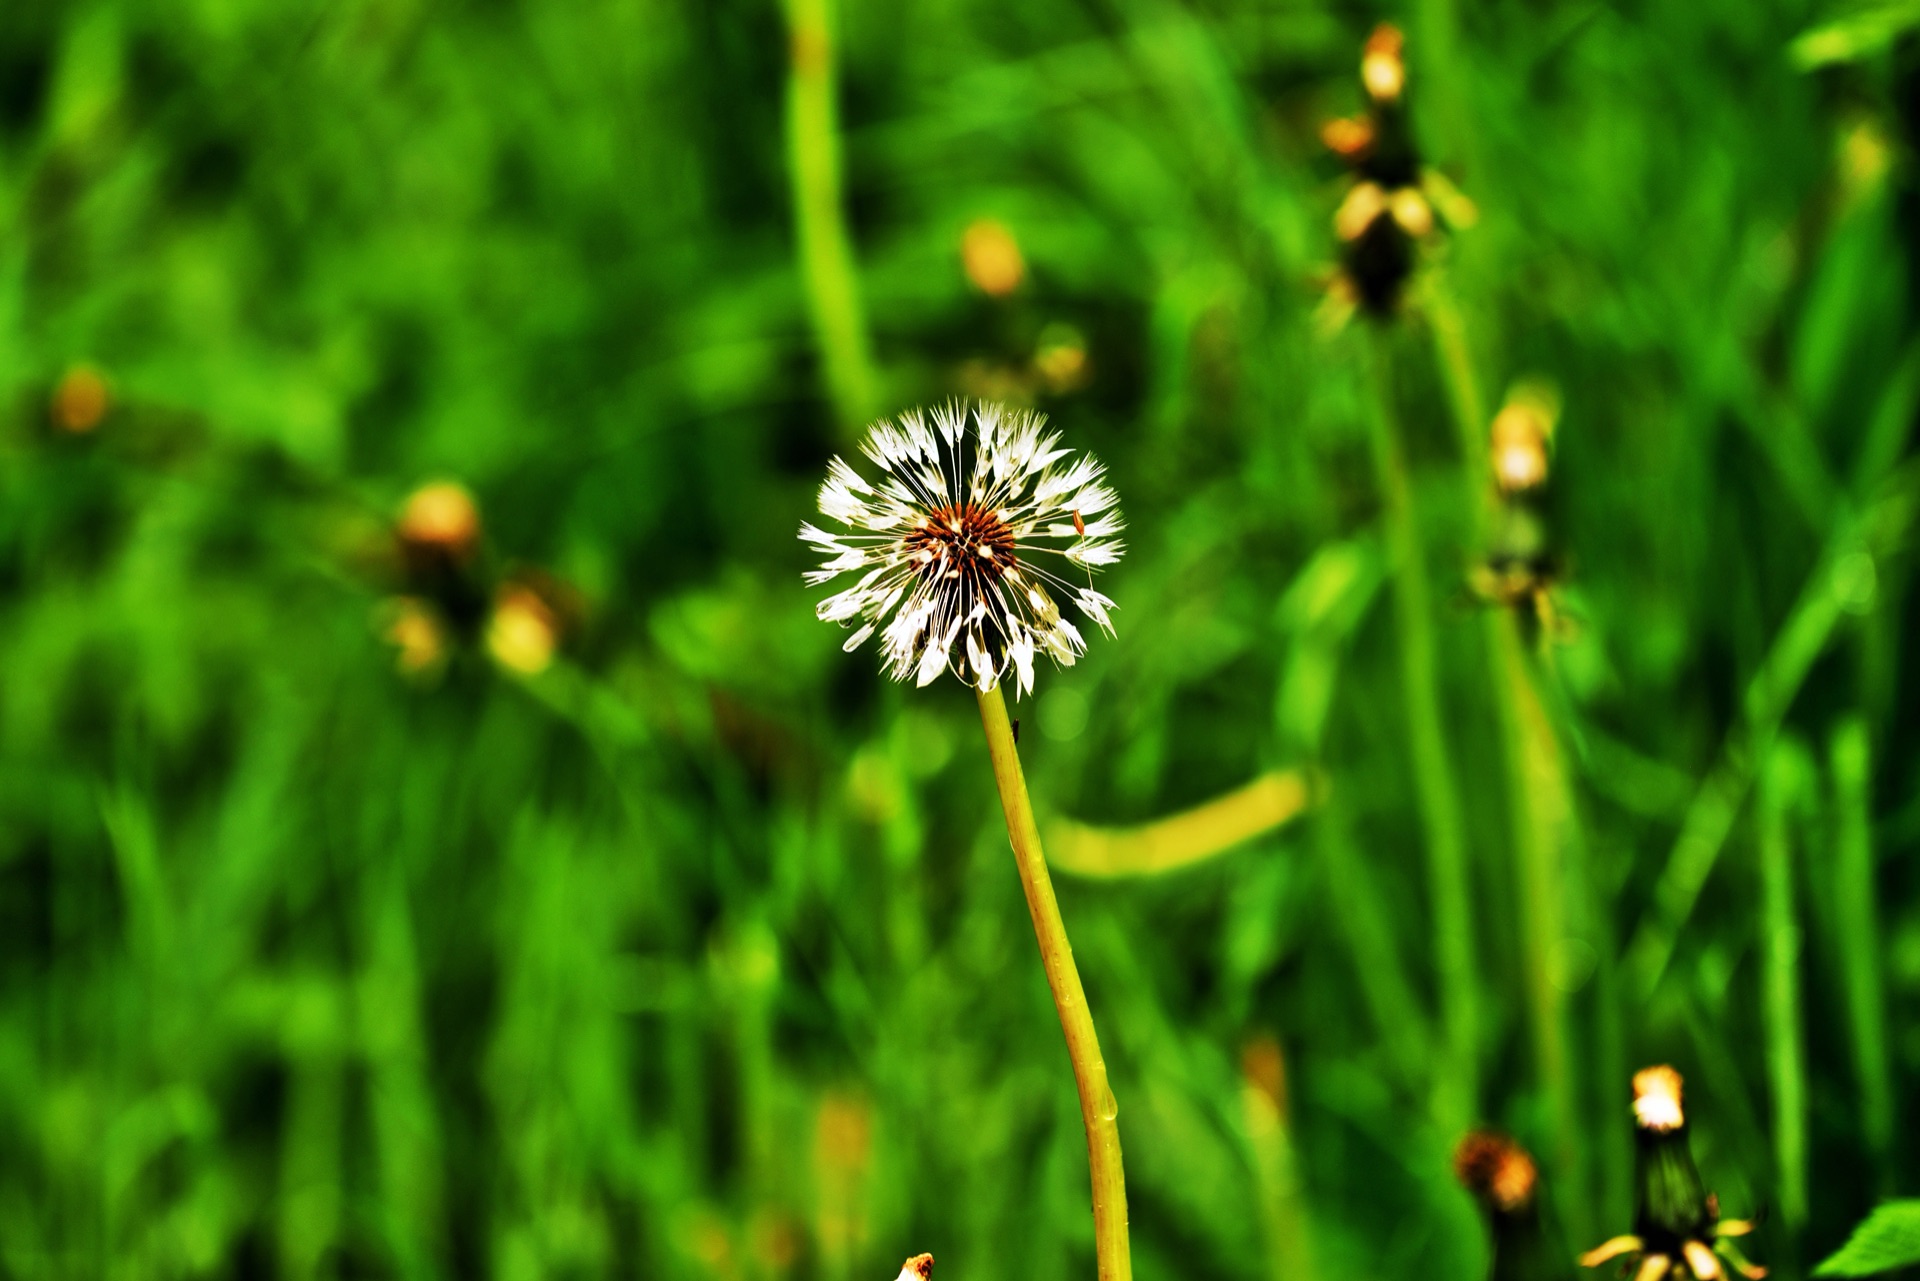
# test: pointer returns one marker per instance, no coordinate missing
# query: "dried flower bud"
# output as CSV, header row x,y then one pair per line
x,y
1348,137
81,400
992,258
1497,1170
918,1268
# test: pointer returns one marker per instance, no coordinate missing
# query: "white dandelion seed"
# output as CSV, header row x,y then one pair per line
x,y
955,547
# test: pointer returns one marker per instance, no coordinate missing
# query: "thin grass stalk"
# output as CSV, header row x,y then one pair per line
x,y
1849,758
825,249
1780,949
1098,1109
1539,793
1458,1088
1802,638
1360,917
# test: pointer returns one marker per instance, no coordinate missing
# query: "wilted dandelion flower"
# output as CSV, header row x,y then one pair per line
x,y
918,1268
1503,1178
1497,1170
1677,1228
962,546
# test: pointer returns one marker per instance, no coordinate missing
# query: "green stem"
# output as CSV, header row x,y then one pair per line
x,y
1860,934
1539,794
1438,800
825,249
1098,1110
1362,918
1541,809
1786,1055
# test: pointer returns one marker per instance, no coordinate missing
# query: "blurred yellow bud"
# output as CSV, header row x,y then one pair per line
x,y
1356,213
1381,67
1412,212
1866,157
524,632
992,258
415,630
81,400
441,515
1061,360
1521,434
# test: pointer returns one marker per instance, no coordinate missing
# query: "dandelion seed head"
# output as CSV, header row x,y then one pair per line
x,y
978,525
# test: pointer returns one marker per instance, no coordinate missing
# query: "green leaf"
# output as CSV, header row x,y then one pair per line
x,y
1889,1239
1857,35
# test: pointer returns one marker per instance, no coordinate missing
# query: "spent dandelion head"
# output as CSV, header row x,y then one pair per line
x,y
964,546
1677,1228
1503,1178
1394,207
1497,1170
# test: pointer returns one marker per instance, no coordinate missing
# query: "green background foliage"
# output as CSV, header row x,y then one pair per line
x,y
701,953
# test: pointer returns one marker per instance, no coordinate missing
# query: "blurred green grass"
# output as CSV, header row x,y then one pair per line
x,y
700,953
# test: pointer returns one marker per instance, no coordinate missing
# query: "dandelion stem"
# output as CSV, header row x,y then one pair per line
x,y
1097,1107
825,249
1539,794
1438,800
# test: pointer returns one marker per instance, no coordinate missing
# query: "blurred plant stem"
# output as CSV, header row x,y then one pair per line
x,y
1780,949
309,1200
1098,1109
1443,75
1859,935
1844,571
1357,909
1539,793
1192,836
1283,1209
820,224
1541,812
1457,1092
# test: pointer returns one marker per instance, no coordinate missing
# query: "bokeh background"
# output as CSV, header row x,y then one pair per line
x,y
518,881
